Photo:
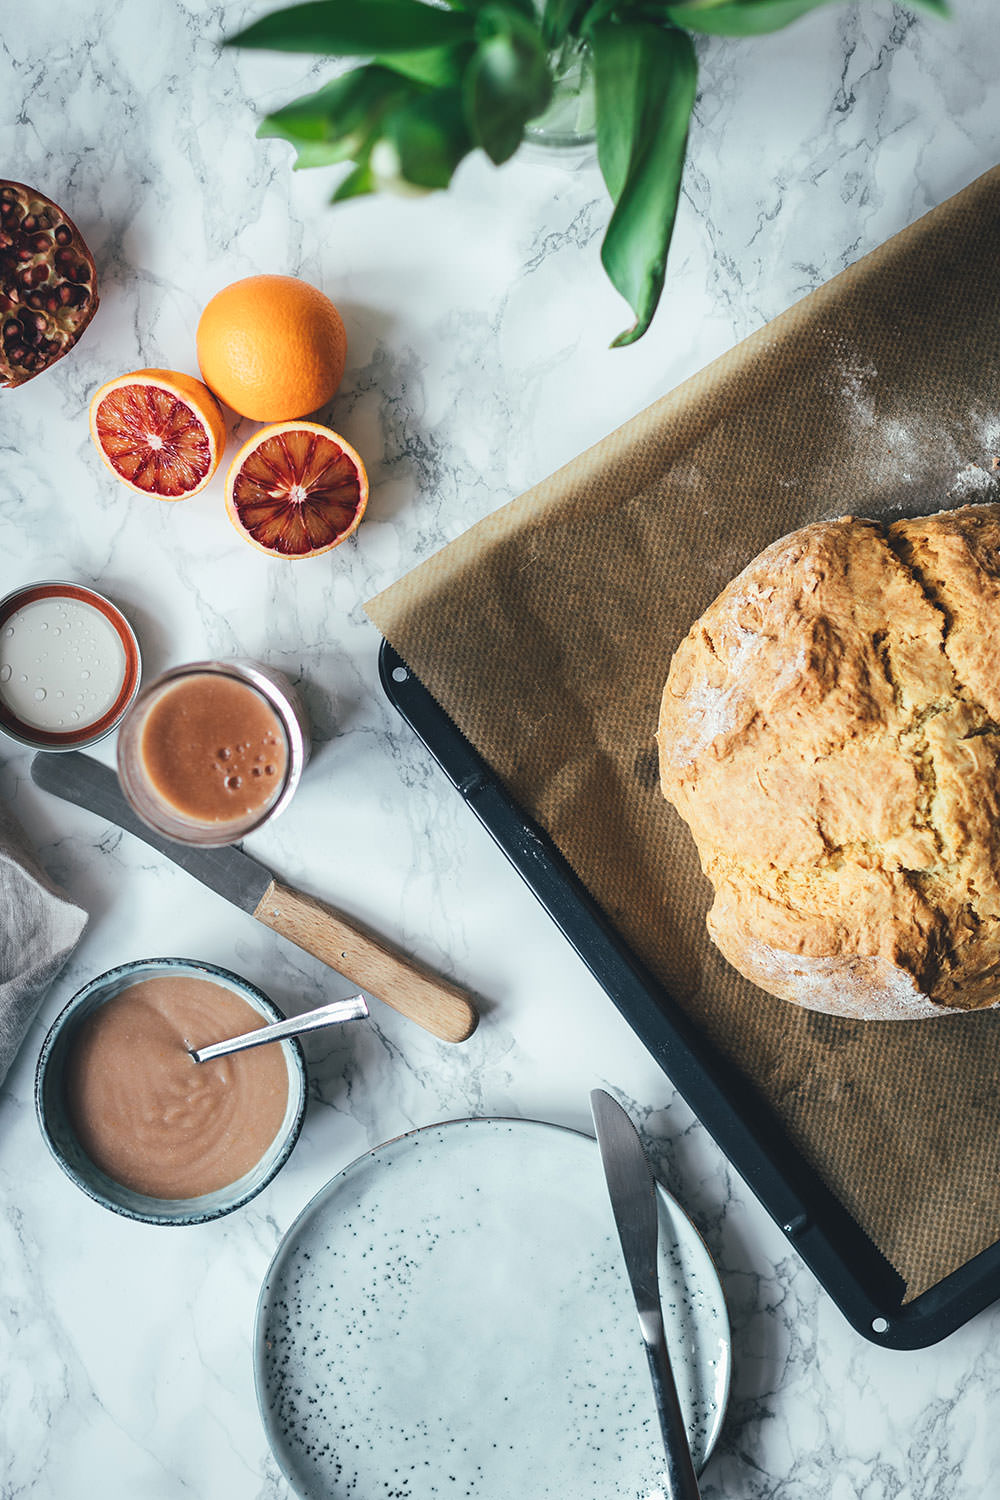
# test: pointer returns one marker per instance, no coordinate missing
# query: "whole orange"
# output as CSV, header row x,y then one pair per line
x,y
272,347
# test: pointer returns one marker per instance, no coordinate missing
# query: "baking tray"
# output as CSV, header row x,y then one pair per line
x,y
850,1268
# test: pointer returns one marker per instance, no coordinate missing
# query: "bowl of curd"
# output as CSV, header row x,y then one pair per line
x,y
141,1127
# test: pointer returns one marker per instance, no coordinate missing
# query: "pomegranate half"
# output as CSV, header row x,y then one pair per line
x,y
48,283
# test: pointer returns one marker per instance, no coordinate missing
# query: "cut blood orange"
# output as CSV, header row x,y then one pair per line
x,y
162,433
296,489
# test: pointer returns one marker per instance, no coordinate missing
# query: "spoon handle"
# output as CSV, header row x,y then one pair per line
x,y
326,1015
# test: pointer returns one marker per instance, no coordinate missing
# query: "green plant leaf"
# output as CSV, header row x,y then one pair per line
x,y
755,17
645,79
439,67
752,17
424,141
604,10
558,18
355,28
338,122
356,183
507,82
739,17
525,8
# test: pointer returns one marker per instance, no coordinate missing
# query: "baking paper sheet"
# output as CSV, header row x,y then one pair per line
x,y
546,632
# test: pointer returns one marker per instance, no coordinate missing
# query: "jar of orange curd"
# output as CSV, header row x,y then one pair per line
x,y
211,751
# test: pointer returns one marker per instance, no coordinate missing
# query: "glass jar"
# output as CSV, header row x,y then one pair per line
x,y
211,751
567,130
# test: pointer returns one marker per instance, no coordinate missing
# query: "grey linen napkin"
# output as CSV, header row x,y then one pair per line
x,y
39,928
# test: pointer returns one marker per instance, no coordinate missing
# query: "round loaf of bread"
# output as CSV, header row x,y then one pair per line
x,y
830,732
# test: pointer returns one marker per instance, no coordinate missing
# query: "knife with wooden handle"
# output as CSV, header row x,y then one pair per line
x,y
438,1006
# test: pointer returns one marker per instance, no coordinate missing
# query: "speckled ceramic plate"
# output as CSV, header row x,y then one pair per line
x,y
450,1317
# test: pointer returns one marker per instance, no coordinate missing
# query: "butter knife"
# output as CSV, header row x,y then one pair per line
x,y
433,1003
633,1201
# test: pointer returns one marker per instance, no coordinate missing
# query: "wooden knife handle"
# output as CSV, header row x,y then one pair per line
x,y
437,1006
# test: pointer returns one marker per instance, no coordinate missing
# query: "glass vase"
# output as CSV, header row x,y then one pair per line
x,y
567,130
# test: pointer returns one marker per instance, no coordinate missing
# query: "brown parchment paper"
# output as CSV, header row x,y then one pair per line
x,y
546,632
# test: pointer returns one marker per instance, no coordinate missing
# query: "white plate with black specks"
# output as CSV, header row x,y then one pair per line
x,y
451,1317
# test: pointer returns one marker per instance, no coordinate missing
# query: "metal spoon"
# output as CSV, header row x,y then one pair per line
x,y
312,1020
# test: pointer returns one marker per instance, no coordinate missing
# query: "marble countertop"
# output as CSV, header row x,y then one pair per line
x,y
478,325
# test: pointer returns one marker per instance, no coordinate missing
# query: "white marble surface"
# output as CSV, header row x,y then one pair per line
x,y
478,362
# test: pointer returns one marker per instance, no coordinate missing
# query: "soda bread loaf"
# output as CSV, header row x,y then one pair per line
x,y
830,731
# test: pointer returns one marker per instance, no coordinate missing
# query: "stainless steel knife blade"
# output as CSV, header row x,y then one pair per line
x,y
80,779
633,1202
434,1003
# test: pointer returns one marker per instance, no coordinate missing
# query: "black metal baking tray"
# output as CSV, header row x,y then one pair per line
x,y
847,1264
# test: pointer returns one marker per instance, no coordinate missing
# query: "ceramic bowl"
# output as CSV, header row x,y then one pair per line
x,y
50,1100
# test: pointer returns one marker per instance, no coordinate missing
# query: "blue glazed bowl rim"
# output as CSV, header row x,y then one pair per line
x,y
133,968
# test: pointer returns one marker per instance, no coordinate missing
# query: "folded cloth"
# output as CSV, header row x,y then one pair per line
x,y
39,928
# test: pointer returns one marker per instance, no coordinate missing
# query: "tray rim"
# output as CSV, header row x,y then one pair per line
x,y
849,1267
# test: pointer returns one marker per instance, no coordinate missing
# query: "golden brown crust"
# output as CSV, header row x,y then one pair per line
x,y
830,731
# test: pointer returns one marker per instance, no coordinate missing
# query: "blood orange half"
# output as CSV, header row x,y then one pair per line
x,y
162,433
296,489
